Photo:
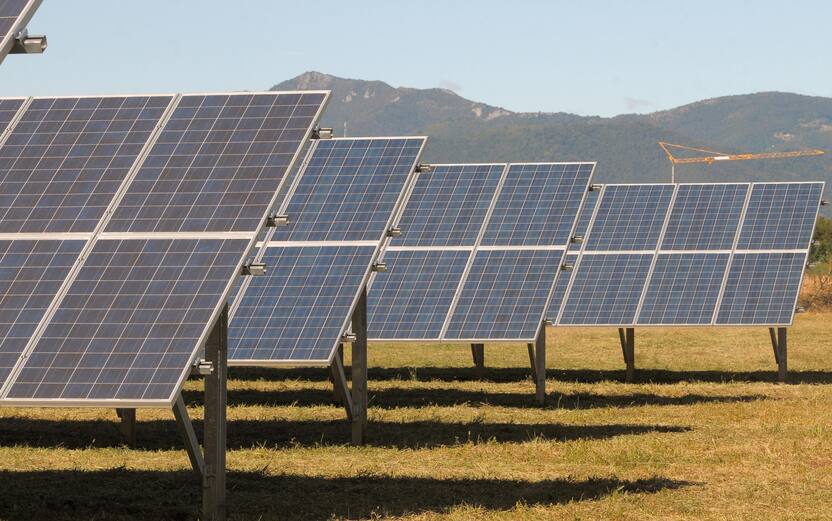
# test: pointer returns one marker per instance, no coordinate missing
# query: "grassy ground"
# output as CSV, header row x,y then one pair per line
x,y
705,433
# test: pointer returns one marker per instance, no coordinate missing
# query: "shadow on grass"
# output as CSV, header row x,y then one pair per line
x,y
519,374
398,397
132,494
163,435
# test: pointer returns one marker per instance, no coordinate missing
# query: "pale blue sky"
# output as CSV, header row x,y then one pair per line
x,y
587,57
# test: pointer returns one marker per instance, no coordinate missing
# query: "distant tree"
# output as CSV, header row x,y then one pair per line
x,y
822,249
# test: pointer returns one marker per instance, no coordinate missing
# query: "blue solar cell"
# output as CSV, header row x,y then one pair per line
x,y
31,272
412,299
350,189
505,295
559,292
298,310
131,320
606,289
218,163
538,204
629,217
780,216
683,289
762,288
448,205
66,158
705,217
8,109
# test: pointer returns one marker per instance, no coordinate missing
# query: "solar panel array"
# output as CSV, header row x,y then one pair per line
x,y
14,14
340,209
692,254
99,312
480,252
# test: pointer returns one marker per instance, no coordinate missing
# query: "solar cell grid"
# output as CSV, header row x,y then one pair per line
x,y
504,295
762,288
297,311
8,109
218,163
705,217
538,204
448,205
31,272
349,189
606,289
413,298
683,289
629,217
66,158
130,321
780,216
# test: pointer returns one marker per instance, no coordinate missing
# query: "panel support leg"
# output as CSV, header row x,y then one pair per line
x,y
186,429
337,396
213,481
530,347
782,354
359,370
339,379
540,366
627,336
478,354
128,425
772,332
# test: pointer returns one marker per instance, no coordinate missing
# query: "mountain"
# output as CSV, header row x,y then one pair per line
x,y
461,130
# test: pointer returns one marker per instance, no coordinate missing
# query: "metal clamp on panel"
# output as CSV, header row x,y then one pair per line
x,y
595,187
567,266
824,202
548,323
348,338
25,44
253,268
274,220
423,168
321,133
380,267
395,231
203,367
577,239
800,309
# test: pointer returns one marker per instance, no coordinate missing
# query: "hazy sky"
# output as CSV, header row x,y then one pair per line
x,y
588,57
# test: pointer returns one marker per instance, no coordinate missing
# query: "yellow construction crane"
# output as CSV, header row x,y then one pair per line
x,y
714,156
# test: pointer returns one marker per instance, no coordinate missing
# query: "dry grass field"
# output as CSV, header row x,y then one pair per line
x,y
705,433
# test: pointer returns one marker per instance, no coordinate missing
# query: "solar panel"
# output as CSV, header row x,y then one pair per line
x,y
130,322
31,273
349,189
8,110
449,204
65,159
340,209
14,15
300,308
561,285
136,305
218,163
762,288
780,216
504,295
683,289
629,217
538,204
705,217
411,300
606,289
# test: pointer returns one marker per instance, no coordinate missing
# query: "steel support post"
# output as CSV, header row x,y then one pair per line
x,y
186,429
627,336
127,425
782,354
336,392
540,366
339,379
530,347
478,354
359,370
772,332
213,482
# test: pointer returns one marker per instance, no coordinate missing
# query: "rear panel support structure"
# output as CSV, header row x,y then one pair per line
x,y
216,397
779,344
127,425
359,370
627,336
478,356
540,366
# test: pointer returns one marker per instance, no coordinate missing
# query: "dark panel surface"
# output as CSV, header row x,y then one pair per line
x,y
780,216
629,217
705,217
